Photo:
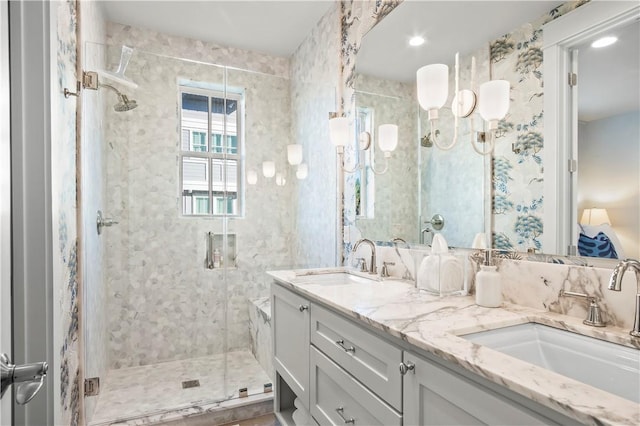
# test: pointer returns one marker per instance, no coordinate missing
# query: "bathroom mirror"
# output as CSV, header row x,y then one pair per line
x,y
456,183
519,206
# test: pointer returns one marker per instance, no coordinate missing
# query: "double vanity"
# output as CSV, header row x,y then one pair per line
x,y
353,350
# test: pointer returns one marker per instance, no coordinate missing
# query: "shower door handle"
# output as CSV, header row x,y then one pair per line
x,y
209,259
28,377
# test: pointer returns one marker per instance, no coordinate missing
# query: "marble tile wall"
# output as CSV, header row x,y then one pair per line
x,y
163,303
260,329
537,284
92,148
315,67
68,408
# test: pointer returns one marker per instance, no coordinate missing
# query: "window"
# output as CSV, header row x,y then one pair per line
x,y
211,166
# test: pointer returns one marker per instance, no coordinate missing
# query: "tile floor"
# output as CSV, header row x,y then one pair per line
x,y
154,389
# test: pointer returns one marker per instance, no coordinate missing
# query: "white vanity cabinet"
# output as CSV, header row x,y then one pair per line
x,y
290,314
437,395
345,373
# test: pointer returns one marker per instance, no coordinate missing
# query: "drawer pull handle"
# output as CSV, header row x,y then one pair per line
x,y
349,349
340,411
405,368
303,308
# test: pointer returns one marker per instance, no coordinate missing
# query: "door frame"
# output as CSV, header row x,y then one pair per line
x,y
5,206
30,49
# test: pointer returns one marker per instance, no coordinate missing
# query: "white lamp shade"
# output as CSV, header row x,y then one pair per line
x,y
339,131
294,154
388,137
252,177
269,169
595,217
494,99
303,171
433,86
280,180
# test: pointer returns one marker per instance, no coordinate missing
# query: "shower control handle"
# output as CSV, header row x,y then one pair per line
x,y
102,221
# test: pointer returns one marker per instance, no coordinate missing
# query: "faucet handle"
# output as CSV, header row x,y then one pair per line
x,y
385,269
362,264
594,313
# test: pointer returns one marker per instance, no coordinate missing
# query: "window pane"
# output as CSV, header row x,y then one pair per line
x,y
224,120
195,110
185,140
195,185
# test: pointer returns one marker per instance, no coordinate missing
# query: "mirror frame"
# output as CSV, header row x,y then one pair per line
x,y
560,113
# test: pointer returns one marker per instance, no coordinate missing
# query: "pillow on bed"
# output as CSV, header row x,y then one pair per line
x,y
591,231
598,246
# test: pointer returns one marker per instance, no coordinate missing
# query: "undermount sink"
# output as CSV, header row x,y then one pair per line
x,y
608,366
337,278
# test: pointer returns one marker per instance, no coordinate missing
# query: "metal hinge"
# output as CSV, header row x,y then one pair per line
x,y
90,80
573,166
573,79
92,386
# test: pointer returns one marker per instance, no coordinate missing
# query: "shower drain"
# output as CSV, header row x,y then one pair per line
x,y
190,384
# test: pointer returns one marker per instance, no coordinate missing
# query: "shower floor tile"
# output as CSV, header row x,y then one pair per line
x,y
154,389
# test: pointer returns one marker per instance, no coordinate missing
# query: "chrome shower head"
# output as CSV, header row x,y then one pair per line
x,y
125,104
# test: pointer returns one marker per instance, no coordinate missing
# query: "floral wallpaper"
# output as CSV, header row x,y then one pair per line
x,y
518,200
63,193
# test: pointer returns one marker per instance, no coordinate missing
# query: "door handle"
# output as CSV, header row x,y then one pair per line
x,y
28,377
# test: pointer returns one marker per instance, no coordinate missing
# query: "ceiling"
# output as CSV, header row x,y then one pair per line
x,y
609,77
273,27
447,26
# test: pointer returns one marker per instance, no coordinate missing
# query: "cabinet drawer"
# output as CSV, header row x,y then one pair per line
x,y
370,359
336,397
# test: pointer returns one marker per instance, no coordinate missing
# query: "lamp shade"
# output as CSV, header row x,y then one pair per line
x,y
494,99
339,131
252,177
269,169
595,217
294,154
433,86
303,171
388,137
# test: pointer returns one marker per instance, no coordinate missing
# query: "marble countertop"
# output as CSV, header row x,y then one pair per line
x,y
433,324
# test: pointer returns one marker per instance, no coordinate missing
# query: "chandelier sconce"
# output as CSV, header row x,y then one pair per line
x,y
294,158
433,91
340,136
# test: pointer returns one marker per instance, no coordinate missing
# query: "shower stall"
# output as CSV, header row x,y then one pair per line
x,y
177,258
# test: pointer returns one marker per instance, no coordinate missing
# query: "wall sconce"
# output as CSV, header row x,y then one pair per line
x,y
595,216
280,179
269,169
252,177
387,142
303,171
433,91
294,154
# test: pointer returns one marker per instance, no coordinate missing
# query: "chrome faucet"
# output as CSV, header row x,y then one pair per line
x,y
372,269
615,283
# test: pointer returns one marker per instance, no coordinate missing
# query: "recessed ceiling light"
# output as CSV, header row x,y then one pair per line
x,y
416,41
604,41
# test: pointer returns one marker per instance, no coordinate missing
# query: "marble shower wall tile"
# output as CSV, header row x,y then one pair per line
x,y
260,329
315,67
163,303
93,178
65,236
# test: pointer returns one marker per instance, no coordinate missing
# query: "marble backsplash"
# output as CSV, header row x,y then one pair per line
x,y
538,284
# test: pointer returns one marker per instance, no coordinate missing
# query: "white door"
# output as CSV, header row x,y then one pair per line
x,y
5,204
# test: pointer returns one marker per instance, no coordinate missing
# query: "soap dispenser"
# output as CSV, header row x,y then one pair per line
x,y
488,284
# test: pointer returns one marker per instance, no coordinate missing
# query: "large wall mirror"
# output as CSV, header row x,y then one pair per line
x,y
503,195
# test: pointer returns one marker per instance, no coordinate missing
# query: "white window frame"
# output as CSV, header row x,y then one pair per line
x,y
225,156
